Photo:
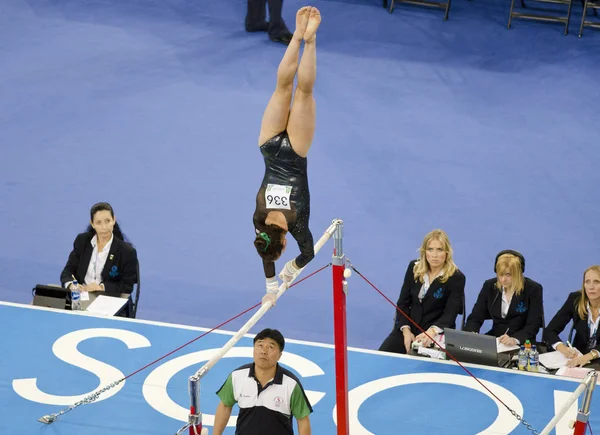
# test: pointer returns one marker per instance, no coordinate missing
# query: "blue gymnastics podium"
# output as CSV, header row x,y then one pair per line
x,y
52,359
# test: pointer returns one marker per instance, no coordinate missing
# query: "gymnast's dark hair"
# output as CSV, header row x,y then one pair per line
x,y
274,335
269,243
105,206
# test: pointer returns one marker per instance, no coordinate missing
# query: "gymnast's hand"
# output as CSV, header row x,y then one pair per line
x,y
272,291
270,297
289,272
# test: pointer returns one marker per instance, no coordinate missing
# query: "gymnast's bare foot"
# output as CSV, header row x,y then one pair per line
x,y
313,24
302,17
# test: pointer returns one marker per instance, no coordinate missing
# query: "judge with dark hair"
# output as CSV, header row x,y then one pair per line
x,y
101,259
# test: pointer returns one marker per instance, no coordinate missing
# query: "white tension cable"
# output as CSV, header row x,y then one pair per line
x,y
265,307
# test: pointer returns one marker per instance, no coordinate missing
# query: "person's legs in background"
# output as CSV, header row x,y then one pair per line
x,y
278,31
256,17
256,20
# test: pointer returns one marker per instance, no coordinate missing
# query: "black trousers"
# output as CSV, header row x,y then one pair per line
x,y
257,16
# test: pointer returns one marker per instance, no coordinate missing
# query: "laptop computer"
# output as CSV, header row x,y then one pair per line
x,y
51,296
470,347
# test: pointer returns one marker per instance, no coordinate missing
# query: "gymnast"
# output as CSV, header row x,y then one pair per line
x,y
283,200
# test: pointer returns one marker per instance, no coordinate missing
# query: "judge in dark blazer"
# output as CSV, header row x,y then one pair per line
x,y
583,309
101,260
432,295
512,301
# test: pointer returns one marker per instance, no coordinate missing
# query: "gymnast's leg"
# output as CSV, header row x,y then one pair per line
x,y
301,124
275,118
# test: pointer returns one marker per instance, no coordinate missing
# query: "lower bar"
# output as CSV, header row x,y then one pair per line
x,y
261,312
341,354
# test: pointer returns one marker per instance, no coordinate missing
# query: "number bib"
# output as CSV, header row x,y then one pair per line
x,y
277,196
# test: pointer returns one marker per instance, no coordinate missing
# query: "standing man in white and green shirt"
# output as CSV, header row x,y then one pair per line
x,y
269,396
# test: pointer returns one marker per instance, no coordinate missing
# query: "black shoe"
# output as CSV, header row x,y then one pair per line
x,y
285,38
262,27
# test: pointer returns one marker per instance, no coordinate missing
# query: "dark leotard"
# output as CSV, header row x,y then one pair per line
x,y
283,167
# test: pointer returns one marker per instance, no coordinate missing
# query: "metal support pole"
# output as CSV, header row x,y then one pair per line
x,y
584,412
195,419
340,289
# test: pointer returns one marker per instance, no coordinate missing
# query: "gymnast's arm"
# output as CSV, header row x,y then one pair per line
x,y
269,268
307,252
306,245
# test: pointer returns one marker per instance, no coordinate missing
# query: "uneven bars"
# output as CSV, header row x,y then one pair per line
x,y
563,410
265,307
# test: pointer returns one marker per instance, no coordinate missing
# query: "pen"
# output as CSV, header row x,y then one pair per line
x,y
498,338
571,347
507,329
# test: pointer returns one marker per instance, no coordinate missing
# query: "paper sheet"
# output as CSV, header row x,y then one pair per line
x,y
574,372
106,305
554,360
503,348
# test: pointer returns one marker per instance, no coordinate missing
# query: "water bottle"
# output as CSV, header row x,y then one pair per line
x,y
75,297
522,358
534,359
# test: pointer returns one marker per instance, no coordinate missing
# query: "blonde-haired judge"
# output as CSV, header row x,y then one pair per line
x,y
582,307
432,295
512,301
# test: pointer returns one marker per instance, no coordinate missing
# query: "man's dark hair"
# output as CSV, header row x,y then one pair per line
x,y
274,335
